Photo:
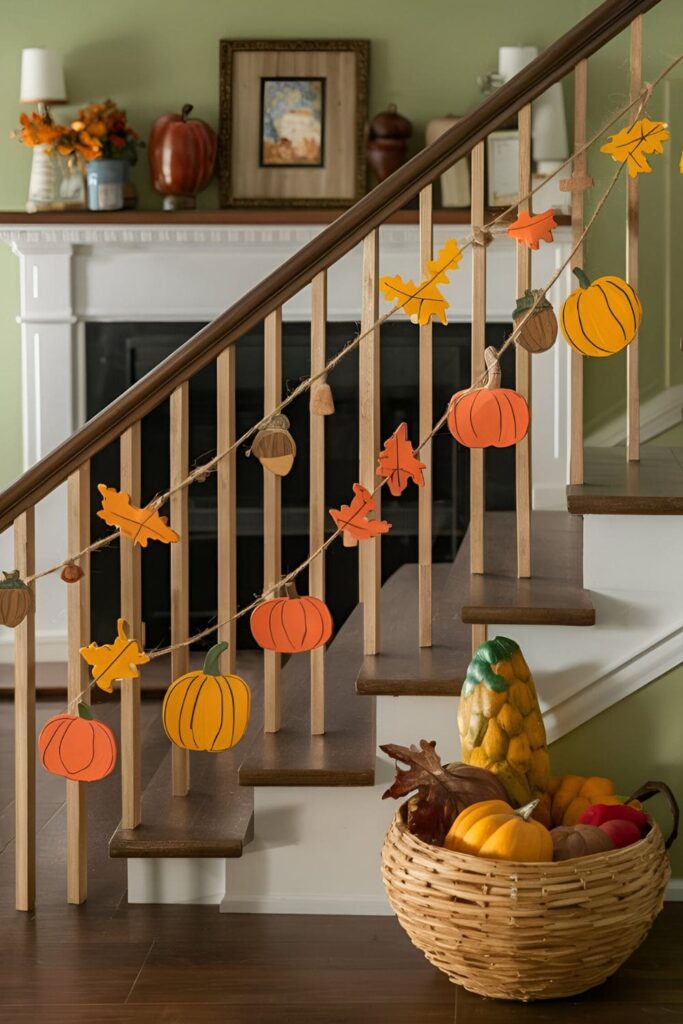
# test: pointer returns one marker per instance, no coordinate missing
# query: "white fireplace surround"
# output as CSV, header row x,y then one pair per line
x,y
74,274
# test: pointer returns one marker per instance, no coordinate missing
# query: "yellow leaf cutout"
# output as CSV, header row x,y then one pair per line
x,y
140,524
632,143
114,661
422,302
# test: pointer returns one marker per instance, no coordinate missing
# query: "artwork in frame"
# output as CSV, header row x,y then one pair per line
x,y
293,122
502,165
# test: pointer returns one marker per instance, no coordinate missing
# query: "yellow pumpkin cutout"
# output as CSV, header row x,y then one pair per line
x,y
601,318
205,710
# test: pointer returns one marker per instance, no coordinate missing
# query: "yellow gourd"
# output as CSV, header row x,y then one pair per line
x,y
601,318
493,830
572,794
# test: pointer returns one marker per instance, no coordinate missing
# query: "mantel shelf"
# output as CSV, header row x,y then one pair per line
x,y
261,215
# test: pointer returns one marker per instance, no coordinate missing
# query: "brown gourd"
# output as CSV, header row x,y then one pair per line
x,y
571,841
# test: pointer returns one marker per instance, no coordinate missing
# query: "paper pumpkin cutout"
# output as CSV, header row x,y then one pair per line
x,y
274,446
291,624
114,661
352,519
16,599
204,710
71,573
491,416
77,746
422,302
140,524
398,464
632,144
528,230
539,328
601,318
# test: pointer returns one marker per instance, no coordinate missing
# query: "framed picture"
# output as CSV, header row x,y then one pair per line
x,y
293,122
502,162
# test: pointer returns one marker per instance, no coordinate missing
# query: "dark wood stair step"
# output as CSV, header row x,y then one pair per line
x,y
345,754
554,595
613,486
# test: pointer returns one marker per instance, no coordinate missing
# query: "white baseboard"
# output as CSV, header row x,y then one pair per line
x,y
360,906
51,645
674,891
657,415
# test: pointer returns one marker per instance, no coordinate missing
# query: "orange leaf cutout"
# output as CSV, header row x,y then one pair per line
x,y
632,143
422,302
528,230
141,524
397,462
352,519
114,661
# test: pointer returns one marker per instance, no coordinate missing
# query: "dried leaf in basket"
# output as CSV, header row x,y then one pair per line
x,y
442,791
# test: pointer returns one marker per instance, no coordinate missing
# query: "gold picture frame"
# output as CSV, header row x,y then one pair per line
x,y
293,117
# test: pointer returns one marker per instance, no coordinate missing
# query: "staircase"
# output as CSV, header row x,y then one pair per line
x,y
317,719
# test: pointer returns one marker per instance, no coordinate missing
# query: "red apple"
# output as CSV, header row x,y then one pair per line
x,y
621,832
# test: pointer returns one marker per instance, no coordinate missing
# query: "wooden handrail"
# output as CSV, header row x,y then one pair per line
x,y
330,245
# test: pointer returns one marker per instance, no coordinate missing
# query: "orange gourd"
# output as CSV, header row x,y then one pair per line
x,y
77,746
572,794
490,416
492,829
291,624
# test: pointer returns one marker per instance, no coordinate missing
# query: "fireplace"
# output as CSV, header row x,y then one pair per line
x,y
119,354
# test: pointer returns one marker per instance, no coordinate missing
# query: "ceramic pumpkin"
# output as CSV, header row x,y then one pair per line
x,y
204,710
492,829
77,746
500,722
540,327
291,624
16,599
601,318
571,841
490,416
182,155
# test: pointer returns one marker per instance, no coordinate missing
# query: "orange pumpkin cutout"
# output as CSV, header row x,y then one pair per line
x,y
291,624
488,417
77,746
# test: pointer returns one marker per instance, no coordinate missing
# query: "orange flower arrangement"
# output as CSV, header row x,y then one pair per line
x,y
101,131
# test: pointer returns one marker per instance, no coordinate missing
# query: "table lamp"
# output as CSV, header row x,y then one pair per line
x,y
42,83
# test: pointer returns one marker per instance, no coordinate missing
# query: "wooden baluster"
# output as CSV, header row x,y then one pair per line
x,y
316,504
522,362
426,419
478,344
180,566
78,679
579,174
632,233
25,723
272,510
227,505
131,611
369,551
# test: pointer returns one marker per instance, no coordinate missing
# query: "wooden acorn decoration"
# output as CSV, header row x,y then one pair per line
x,y
16,599
322,399
71,573
539,332
274,446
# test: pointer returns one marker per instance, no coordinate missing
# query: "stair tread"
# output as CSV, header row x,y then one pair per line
x,y
613,486
554,595
215,819
345,754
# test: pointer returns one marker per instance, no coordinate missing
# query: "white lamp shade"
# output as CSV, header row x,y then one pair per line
x,y
42,76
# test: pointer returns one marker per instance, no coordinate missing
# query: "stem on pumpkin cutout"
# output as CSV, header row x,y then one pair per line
x,y
210,666
290,589
582,277
84,712
186,111
492,368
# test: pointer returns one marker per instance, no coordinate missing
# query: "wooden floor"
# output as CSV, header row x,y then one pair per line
x,y
110,962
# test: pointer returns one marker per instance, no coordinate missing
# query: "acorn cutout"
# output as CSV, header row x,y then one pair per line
x,y
322,399
274,446
16,599
539,332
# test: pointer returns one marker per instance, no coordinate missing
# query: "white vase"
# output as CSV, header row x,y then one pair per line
x,y
43,188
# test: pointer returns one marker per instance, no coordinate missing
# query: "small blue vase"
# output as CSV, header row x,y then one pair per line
x,y
106,179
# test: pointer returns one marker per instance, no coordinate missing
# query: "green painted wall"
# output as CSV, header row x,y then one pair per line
x,y
635,741
153,56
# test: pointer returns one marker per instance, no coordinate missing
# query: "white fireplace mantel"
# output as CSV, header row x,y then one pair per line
x,y
72,274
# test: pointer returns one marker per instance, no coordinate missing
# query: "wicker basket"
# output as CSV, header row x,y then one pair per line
x,y
525,931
